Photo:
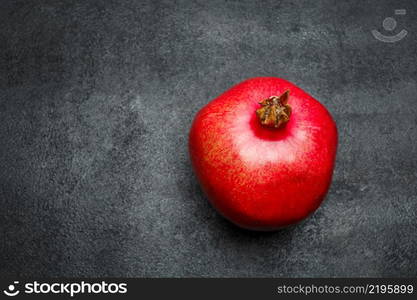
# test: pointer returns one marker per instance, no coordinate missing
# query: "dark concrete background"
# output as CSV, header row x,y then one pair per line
x,y
96,101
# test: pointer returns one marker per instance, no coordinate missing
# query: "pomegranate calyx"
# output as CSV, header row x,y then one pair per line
x,y
275,112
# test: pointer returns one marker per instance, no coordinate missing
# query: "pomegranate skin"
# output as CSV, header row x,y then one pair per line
x,y
257,177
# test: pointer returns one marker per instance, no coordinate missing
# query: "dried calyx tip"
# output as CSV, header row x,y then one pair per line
x,y
275,111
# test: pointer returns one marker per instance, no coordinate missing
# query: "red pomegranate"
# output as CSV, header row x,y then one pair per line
x,y
264,153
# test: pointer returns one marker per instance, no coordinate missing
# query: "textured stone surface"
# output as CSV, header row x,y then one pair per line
x,y
95,181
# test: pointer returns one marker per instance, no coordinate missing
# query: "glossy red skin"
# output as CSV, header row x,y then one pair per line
x,y
261,178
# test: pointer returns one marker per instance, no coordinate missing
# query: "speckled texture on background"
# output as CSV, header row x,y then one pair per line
x,y
96,100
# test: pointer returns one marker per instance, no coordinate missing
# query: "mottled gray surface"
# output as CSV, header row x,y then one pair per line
x,y
96,101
